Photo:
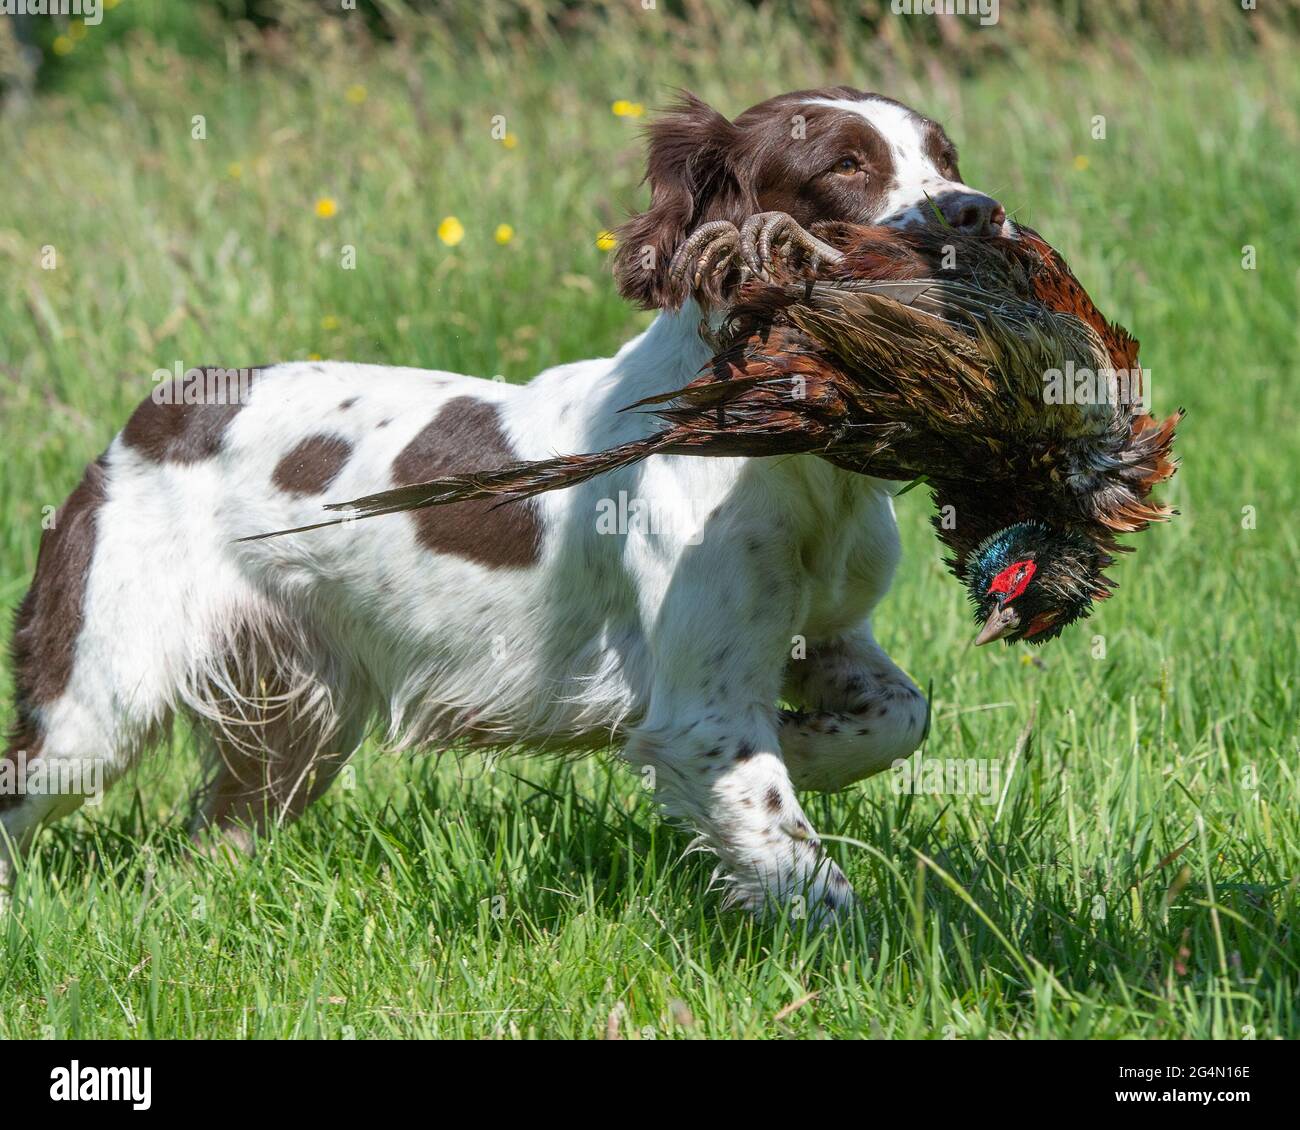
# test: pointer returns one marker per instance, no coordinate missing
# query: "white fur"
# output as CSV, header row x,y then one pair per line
x,y
917,180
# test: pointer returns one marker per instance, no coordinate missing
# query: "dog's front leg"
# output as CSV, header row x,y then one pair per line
x,y
718,766
721,615
859,713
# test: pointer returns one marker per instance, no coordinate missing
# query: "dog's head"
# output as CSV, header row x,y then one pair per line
x,y
833,154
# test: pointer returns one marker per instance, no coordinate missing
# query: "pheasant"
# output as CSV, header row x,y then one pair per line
x,y
910,369
918,354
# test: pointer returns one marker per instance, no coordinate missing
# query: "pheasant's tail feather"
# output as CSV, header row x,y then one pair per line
x,y
514,480
507,484
754,403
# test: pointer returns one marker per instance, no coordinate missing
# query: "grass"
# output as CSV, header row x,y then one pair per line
x,y
1138,878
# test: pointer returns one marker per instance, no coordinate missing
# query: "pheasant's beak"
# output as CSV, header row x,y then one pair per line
x,y
1002,621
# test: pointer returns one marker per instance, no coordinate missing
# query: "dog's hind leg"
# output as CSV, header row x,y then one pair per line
x,y
280,732
249,791
94,664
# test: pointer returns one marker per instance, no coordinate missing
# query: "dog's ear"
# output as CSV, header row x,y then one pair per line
x,y
692,179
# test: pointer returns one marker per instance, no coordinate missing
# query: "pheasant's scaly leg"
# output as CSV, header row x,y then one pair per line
x,y
718,238
765,230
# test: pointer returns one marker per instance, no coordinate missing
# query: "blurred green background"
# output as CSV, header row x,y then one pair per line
x,y
181,183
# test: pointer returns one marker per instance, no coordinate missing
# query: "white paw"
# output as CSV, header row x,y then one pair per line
x,y
829,895
814,890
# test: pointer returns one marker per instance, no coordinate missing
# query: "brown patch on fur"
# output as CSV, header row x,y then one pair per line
x,y
312,465
24,739
25,735
50,616
940,150
174,431
466,435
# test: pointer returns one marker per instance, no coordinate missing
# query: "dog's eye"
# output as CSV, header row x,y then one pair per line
x,y
846,166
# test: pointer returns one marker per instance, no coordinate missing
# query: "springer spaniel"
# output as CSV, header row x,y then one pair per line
x,y
666,606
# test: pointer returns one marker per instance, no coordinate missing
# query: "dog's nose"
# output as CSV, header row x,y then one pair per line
x,y
973,213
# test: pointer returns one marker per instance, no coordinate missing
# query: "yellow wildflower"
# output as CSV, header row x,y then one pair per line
x,y
326,207
451,231
504,234
606,241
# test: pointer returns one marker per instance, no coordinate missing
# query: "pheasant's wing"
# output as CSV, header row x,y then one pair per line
x,y
956,358
1055,286
1142,455
887,377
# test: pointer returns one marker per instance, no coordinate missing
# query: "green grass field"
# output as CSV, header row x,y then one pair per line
x,y
1139,877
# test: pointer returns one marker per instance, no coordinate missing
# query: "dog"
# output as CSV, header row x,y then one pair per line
x,y
667,607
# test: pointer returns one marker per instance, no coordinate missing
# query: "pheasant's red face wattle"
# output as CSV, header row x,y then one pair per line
x,y
1013,580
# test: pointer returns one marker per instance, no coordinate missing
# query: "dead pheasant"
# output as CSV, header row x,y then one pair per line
x,y
929,353
906,354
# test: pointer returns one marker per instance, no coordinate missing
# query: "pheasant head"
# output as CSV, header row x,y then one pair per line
x,y
1029,581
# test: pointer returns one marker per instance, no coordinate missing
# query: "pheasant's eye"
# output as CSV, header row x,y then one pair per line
x,y
846,166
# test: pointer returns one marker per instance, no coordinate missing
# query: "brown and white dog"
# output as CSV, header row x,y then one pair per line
x,y
666,606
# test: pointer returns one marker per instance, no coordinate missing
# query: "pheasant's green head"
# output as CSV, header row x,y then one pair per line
x,y
1028,581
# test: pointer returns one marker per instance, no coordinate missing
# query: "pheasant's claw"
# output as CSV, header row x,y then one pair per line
x,y
723,246
764,231
751,232
713,248
717,239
